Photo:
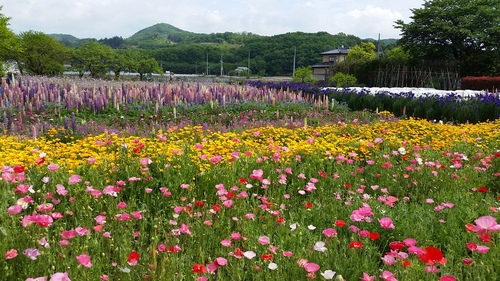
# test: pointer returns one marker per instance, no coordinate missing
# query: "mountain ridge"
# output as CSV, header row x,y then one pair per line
x,y
173,34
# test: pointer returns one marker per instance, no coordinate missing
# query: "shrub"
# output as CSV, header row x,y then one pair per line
x,y
342,80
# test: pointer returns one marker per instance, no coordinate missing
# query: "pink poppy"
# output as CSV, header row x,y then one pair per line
x,y
226,243
60,276
74,179
386,223
482,249
53,167
145,161
486,223
388,276
311,267
367,277
220,261
15,209
330,232
10,254
257,175
264,240
84,260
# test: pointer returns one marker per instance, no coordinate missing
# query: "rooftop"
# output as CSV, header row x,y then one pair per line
x,y
336,51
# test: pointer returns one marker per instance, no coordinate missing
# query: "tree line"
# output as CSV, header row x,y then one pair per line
x,y
455,36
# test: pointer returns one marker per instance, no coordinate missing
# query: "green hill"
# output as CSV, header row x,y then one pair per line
x,y
66,39
157,35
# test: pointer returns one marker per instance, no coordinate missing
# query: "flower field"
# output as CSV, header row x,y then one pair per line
x,y
213,182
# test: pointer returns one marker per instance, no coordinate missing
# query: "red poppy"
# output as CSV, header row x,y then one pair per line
x,y
406,263
322,174
268,257
485,237
469,227
40,161
396,245
340,223
230,194
308,205
243,180
18,169
497,154
374,236
471,246
280,220
173,249
199,203
238,252
347,185
216,207
199,268
467,261
431,255
355,245
133,258
482,189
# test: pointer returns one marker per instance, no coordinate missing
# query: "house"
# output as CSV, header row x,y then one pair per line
x,y
240,69
322,70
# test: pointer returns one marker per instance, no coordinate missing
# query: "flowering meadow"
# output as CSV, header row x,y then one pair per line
x,y
216,182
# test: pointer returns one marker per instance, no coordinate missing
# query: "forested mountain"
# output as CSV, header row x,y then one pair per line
x,y
187,52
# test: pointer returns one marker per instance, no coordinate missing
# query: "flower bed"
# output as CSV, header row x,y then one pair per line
x,y
376,200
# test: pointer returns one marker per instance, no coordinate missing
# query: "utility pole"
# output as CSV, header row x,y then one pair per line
x,y
378,47
207,65
221,66
248,70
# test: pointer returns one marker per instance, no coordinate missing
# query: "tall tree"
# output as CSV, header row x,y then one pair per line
x,y
42,54
146,65
361,53
461,32
9,43
303,74
93,57
122,60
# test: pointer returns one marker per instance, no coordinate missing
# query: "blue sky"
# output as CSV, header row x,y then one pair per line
x,y
108,18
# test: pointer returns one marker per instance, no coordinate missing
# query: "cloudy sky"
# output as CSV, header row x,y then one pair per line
x,y
108,18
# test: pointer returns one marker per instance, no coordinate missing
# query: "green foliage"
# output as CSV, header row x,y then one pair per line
x,y
343,80
397,55
356,60
361,53
123,60
465,33
42,54
9,43
304,74
93,57
268,55
114,42
146,66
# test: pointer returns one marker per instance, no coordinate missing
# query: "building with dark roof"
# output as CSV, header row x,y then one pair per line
x,y
321,70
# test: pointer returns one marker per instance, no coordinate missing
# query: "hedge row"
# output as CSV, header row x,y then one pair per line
x,y
486,83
